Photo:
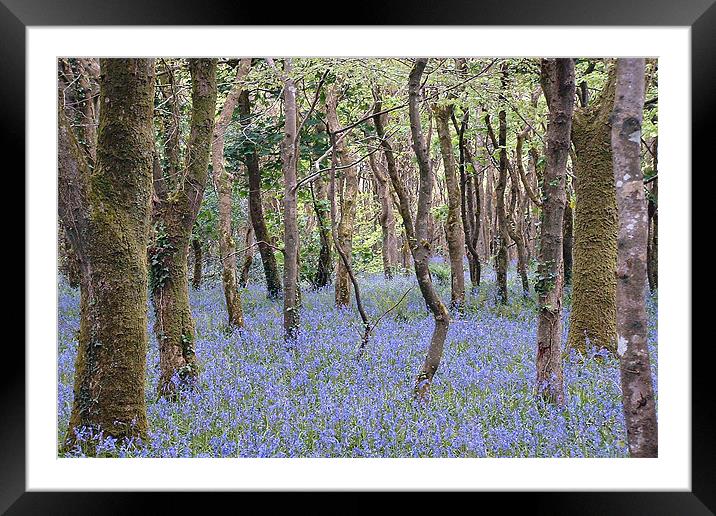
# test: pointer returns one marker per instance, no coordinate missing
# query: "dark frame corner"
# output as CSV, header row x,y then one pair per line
x,y
700,15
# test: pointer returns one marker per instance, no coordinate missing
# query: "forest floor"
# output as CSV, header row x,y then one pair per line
x,y
255,398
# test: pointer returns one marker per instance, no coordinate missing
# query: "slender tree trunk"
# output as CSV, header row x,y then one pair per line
x,y
514,226
418,236
652,259
324,266
502,234
454,230
223,181
344,229
637,389
248,256
106,214
593,316
196,278
389,247
179,202
289,160
567,237
268,259
559,86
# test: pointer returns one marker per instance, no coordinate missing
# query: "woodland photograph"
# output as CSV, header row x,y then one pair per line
x,y
357,257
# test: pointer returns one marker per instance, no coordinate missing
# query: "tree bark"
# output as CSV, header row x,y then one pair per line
x,y
502,234
106,214
593,316
249,242
567,237
289,160
324,266
652,259
223,181
418,235
632,348
386,218
454,230
559,84
514,226
176,211
344,235
253,170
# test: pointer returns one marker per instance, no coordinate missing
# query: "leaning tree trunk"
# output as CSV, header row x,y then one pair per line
x,y
418,234
289,160
106,213
253,170
637,389
223,181
559,85
344,235
454,230
593,316
179,202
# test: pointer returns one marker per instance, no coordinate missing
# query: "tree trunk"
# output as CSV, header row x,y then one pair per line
x,y
179,202
389,246
253,170
344,234
321,207
107,217
593,316
418,234
223,181
652,258
514,226
632,348
248,256
289,160
567,238
502,235
454,230
196,278
559,85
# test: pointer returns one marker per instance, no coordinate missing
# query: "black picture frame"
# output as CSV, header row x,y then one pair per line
x,y
16,15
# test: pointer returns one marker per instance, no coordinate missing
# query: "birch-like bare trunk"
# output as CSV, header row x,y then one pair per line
x,y
637,389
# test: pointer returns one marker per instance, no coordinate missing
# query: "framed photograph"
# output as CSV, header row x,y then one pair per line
x,y
445,112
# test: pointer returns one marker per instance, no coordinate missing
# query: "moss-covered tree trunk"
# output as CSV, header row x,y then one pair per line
x,y
454,231
253,170
559,86
593,316
106,213
344,235
223,180
514,224
179,201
